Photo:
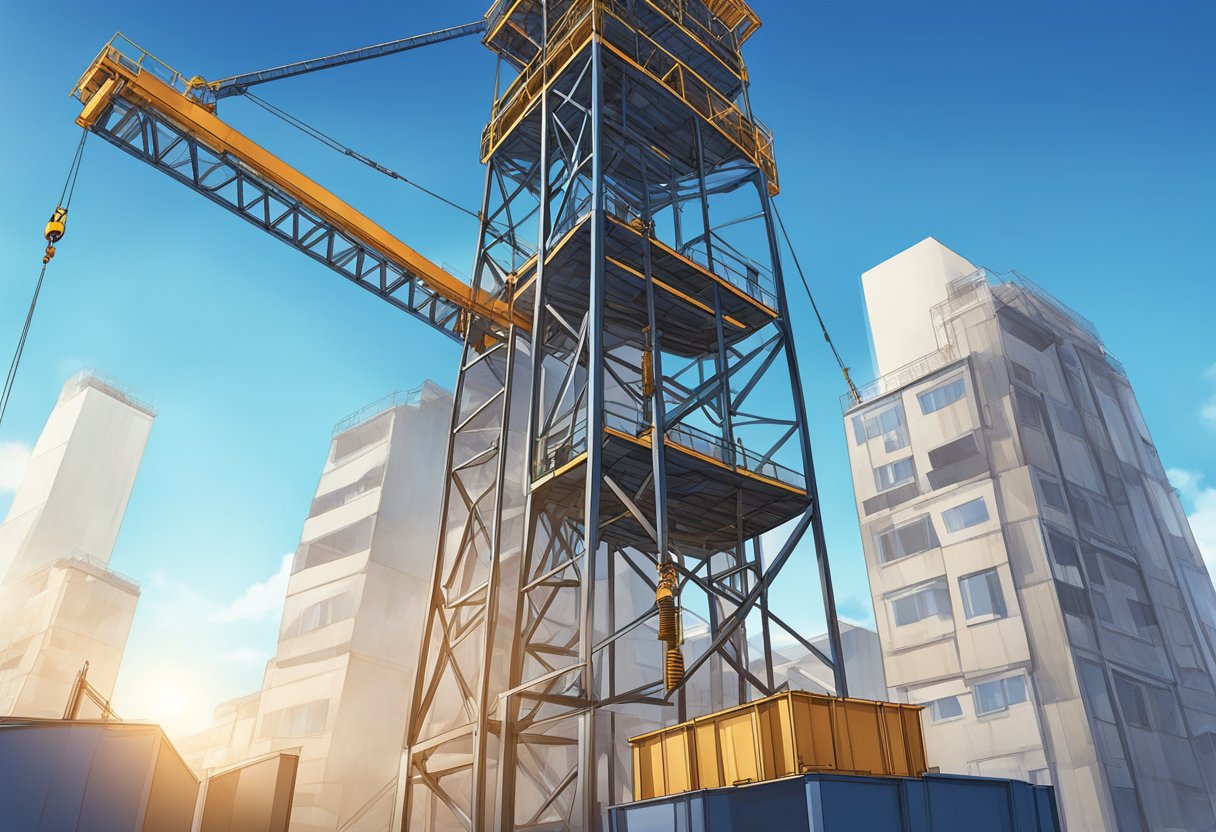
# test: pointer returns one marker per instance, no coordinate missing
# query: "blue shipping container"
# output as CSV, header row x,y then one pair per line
x,y
848,803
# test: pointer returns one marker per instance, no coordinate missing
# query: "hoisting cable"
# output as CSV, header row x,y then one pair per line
x,y
345,150
854,394
53,233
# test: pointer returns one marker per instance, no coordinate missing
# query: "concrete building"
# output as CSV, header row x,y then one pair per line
x,y
1034,579
339,685
60,606
801,669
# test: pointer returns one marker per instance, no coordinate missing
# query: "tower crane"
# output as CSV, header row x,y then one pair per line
x,y
629,419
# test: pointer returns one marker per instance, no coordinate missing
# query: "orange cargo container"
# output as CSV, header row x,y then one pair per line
x,y
790,733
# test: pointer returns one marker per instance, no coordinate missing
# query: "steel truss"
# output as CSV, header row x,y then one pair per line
x,y
655,392
153,138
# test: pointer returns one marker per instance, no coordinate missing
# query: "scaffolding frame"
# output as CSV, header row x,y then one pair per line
x,y
656,390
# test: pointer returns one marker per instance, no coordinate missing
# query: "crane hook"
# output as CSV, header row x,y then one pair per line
x,y
55,228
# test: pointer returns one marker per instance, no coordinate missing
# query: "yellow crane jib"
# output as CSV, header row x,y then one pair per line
x,y
146,83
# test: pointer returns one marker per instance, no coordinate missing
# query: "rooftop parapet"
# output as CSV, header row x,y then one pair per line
x,y
112,387
429,391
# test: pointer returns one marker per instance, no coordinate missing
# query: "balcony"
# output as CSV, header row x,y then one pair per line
x,y
558,450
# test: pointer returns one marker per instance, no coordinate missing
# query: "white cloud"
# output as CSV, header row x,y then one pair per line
x,y
1208,410
1200,501
190,649
13,458
261,601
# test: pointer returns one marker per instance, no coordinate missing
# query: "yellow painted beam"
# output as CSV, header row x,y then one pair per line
x,y
110,78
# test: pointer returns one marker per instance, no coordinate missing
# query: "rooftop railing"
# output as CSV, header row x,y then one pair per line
x,y
900,377
397,398
981,286
556,450
111,386
130,56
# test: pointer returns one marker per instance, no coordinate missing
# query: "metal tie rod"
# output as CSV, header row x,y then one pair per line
x,y
237,84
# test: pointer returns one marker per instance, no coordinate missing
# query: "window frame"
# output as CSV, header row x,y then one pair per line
x,y
956,508
916,591
934,709
881,489
1007,701
924,520
941,387
1000,609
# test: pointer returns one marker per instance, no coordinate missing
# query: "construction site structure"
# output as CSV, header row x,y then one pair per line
x,y
629,417
636,439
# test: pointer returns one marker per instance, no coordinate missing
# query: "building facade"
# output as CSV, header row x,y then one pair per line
x,y
60,605
1035,582
338,686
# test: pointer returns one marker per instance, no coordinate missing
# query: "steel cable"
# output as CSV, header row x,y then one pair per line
x,y
345,150
65,200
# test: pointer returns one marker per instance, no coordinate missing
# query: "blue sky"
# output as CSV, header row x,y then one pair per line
x,y
1069,140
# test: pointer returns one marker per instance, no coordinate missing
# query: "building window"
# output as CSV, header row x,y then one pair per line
x,y
1053,495
321,614
1093,686
982,596
945,394
360,437
297,721
1065,563
896,473
889,423
1067,420
929,601
1023,374
1127,809
1132,702
350,540
947,707
1028,409
1122,599
341,496
909,539
969,514
996,696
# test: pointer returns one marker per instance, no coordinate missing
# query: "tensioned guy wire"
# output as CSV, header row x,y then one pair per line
x,y
814,306
54,232
345,150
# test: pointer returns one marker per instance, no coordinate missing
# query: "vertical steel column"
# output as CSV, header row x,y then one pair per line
x,y
400,819
507,759
804,435
595,439
490,615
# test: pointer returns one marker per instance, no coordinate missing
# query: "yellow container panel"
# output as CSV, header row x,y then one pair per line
x,y
897,742
739,748
783,735
815,737
916,740
709,755
677,760
859,737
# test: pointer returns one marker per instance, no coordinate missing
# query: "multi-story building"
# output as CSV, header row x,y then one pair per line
x,y
1035,582
60,606
798,666
338,687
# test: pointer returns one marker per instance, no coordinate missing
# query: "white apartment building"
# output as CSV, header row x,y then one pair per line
x,y
60,606
339,685
1034,579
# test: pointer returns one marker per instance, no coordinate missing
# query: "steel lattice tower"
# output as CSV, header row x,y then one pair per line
x,y
649,383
